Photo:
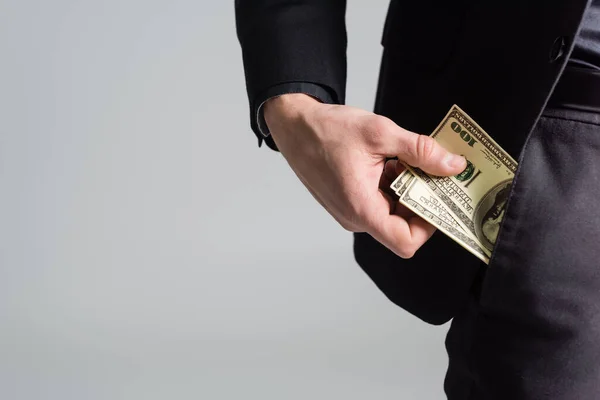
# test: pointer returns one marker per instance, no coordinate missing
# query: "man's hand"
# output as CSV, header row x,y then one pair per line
x,y
339,152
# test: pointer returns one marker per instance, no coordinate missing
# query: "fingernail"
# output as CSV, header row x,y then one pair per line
x,y
454,161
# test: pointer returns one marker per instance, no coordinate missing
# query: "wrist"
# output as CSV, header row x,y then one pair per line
x,y
288,108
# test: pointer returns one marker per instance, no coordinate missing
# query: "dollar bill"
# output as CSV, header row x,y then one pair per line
x,y
430,200
475,198
414,195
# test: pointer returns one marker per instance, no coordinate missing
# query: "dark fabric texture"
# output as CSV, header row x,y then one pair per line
x,y
286,41
501,77
587,45
534,332
577,89
436,54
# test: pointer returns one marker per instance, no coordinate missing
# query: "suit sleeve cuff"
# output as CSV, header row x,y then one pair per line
x,y
317,91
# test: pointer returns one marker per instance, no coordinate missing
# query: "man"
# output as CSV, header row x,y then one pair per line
x,y
527,326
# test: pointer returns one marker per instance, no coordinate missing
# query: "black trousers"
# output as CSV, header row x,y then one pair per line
x,y
531,329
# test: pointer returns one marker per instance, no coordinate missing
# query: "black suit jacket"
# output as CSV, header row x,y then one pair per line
x,y
498,60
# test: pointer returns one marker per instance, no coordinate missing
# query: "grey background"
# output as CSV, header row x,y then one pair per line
x,y
149,249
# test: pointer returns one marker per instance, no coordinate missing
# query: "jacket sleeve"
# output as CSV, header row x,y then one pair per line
x,y
291,41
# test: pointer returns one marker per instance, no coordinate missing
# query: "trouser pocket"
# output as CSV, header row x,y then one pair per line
x,y
538,327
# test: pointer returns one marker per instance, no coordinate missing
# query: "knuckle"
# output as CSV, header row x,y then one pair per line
x,y
342,221
346,225
424,147
349,220
407,251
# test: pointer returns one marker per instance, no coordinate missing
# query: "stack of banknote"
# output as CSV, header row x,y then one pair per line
x,y
470,206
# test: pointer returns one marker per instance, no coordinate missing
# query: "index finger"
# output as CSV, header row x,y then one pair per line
x,y
403,236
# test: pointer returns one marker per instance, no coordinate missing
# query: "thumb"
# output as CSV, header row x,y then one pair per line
x,y
422,152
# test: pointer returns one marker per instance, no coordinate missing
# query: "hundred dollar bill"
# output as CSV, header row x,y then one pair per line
x,y
477,196
431,201
416,197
